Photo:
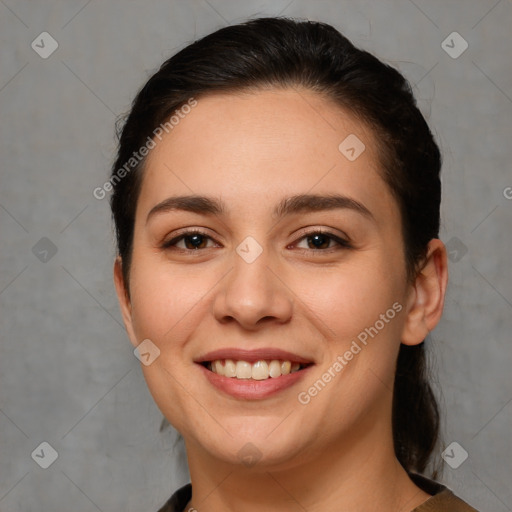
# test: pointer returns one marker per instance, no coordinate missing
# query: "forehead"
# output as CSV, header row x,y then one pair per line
x,y
257,146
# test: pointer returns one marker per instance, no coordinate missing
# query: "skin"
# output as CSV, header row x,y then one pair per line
x,y
252,150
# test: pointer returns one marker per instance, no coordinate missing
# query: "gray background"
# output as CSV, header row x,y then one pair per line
x,y
67,371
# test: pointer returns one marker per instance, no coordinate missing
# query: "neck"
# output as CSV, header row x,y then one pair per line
x,y
359,473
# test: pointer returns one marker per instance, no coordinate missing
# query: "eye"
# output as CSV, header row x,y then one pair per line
x,y
323,241
317,241
190,240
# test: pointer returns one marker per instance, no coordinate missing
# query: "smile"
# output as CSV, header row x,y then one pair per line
x,y
258,370
253,374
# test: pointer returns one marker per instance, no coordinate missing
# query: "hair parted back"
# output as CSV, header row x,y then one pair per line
x,y
285,53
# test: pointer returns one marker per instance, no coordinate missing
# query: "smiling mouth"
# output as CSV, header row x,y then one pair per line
x,y
259,370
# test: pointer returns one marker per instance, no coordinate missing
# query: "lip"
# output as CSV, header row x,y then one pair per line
x,y
251,356
249,389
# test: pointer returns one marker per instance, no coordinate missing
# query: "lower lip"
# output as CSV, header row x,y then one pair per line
x,y
249,389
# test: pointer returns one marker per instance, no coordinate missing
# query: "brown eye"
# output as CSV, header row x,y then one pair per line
x,y
194,241
321,240
190,241
318,241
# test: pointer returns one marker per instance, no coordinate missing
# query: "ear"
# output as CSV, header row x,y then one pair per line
x,y
426,297
124,300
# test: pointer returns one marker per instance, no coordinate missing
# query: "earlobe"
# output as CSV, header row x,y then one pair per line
x,y
124,300
427,294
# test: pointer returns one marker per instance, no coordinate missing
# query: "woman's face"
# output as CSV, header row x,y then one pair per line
x,y
278,274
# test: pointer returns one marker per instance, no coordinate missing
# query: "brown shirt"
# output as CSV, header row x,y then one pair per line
x,y
441,500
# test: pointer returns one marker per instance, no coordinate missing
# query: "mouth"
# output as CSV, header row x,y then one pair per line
x,y
253,374
262,369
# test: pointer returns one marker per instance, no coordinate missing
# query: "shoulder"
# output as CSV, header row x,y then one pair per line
x,y
178,501
442,499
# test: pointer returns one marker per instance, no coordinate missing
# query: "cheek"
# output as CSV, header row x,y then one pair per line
x,y
352,297
360,309
167,307
163,298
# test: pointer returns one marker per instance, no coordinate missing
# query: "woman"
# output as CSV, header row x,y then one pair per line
x,y
276,202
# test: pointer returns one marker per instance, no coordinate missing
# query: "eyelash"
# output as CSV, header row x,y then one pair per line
x,y
342,243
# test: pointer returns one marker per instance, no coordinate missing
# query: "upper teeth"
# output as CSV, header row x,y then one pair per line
x,y
260,370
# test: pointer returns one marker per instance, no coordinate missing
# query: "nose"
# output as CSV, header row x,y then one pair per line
x,y
252,295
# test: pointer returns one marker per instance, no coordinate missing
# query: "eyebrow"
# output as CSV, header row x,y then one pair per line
x,y
301,203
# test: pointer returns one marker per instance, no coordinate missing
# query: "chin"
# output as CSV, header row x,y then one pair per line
x,y
256,443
